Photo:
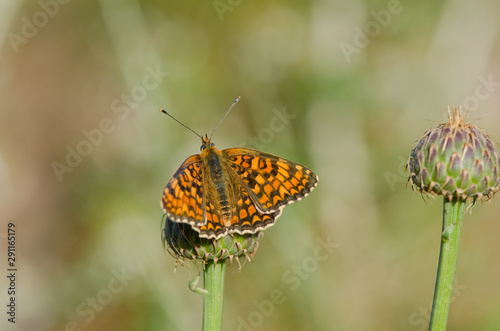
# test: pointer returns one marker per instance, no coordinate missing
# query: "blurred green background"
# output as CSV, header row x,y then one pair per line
x,y
85,154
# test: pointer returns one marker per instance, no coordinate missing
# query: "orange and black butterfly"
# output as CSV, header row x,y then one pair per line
x,y
234,190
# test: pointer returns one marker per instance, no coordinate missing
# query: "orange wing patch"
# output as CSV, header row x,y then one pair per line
x,y
182,199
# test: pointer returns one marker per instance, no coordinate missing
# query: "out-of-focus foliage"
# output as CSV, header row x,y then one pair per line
x,y
343,87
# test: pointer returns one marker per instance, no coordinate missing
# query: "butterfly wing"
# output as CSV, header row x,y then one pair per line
x,y
183,198
245,216
271,182
258,186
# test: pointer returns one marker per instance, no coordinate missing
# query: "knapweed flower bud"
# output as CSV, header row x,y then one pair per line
x,y
456,160
185,243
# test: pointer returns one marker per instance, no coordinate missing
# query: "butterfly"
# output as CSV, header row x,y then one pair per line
x,y
234,190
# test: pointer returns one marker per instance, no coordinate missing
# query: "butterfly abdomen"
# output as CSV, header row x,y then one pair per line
x,y
213,159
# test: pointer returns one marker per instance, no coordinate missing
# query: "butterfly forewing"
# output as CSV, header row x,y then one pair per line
x,y
183,197
271,181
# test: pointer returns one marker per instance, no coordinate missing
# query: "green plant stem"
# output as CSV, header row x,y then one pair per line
x,y
453,213
213,279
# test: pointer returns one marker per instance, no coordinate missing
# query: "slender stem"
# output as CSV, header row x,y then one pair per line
x,y
213,278
453,213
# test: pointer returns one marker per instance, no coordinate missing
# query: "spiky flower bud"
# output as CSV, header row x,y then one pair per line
x,y
185,243
456,160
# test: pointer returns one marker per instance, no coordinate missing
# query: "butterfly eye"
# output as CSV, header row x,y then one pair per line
x,y
203,146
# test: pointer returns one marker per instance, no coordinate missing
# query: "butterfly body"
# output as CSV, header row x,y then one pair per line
x,y
217,182
235,190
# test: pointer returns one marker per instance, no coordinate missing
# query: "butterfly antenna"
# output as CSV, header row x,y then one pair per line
x,y
235,101
184,125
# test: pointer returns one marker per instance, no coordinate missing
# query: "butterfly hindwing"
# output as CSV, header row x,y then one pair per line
x,y
246,217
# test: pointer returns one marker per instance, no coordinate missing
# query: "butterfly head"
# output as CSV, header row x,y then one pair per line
x,y
206,142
